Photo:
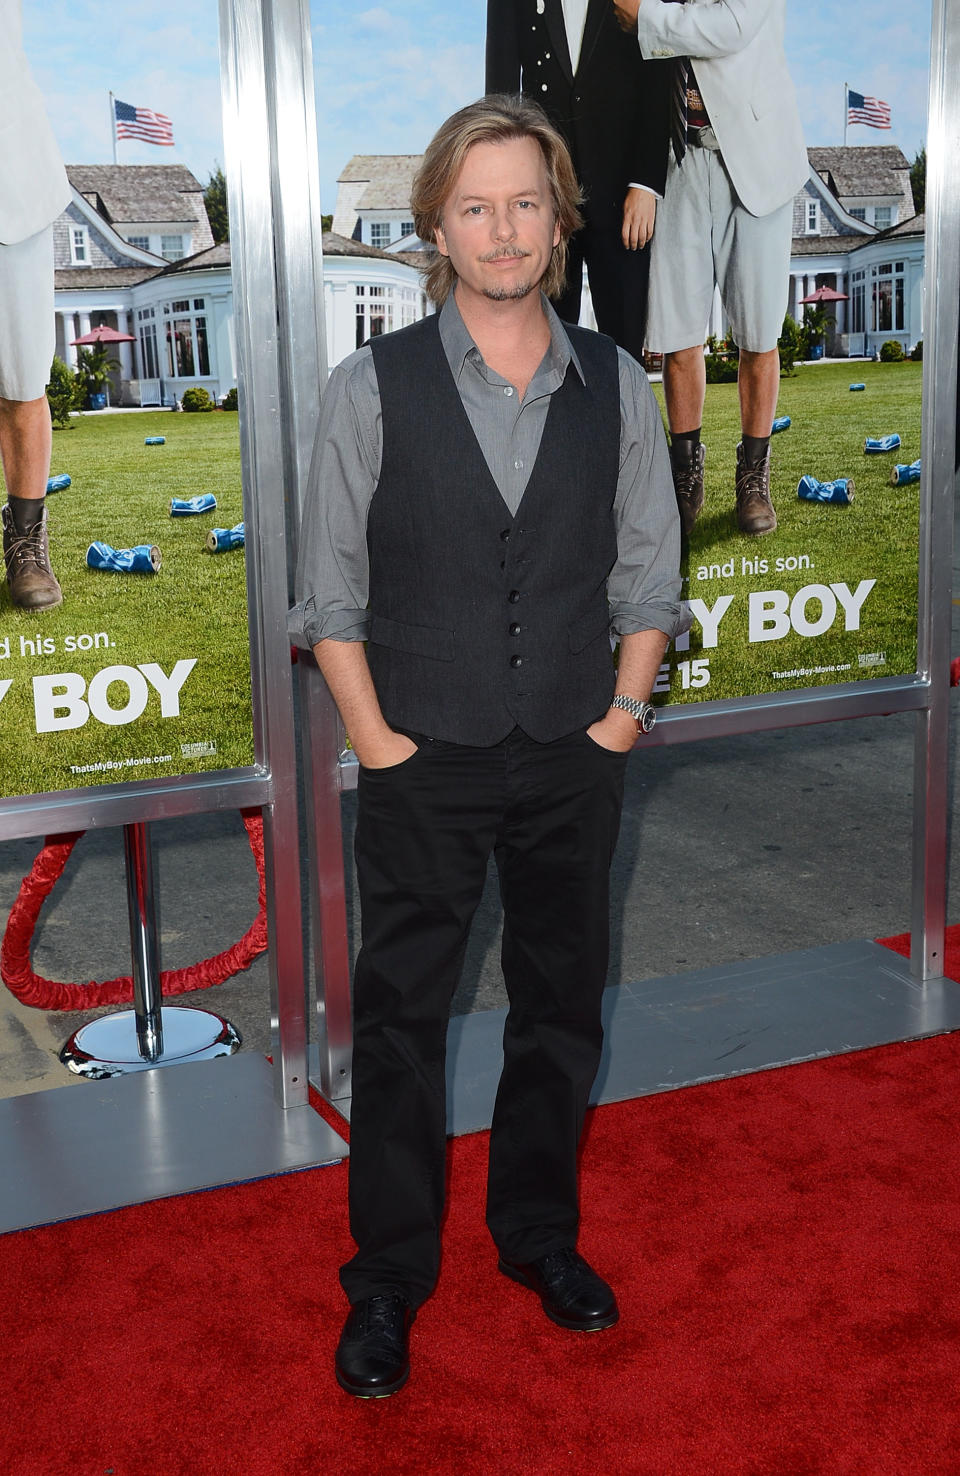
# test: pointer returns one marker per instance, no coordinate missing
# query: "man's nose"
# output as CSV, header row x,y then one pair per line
x,y
503,224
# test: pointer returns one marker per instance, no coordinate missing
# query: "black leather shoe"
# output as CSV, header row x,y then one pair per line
x,y
372,1359
572,1294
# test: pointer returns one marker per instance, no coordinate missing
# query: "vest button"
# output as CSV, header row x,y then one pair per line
x,y
513,596
514,629
516,661
505,536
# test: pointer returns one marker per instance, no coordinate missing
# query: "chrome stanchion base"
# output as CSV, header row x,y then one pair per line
x,y
108,1046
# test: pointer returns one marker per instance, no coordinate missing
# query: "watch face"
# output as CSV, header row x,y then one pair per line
x,y
647,718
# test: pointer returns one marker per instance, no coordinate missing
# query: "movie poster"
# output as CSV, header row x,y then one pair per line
x,y
137,667
831,594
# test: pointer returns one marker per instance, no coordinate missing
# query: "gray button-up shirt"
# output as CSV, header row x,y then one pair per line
x,y
643,588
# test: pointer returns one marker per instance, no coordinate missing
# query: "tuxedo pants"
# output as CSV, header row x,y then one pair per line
x,y
618,285
549,813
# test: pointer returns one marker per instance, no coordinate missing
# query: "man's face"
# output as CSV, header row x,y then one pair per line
x,y
499,223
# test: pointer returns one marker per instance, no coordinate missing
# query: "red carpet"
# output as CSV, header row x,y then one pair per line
x,y
786,1248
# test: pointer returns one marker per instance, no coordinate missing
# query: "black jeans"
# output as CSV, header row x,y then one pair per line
x,y
550,813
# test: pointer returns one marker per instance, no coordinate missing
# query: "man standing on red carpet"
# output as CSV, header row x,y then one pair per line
x,y
490,495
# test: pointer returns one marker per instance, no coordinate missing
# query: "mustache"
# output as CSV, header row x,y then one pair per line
x,y
505,253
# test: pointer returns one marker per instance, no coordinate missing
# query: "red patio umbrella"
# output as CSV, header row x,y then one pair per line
x,y
826,294
103,334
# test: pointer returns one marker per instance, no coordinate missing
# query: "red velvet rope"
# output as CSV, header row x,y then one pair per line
x,y
47,994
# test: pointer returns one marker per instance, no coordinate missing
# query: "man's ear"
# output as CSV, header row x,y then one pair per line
x,y
441,241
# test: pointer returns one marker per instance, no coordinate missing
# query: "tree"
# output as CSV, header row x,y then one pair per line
x,y
215,199
326,222
918,180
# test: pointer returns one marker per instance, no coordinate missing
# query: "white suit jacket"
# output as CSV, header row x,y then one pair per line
x,y
737,54
33,182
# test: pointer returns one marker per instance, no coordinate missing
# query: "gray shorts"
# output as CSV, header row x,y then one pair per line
x,y
704,238
28,331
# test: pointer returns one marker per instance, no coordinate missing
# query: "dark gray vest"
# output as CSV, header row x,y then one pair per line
x,y
482,622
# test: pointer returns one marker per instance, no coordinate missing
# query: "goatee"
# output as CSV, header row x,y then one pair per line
x,y
509,294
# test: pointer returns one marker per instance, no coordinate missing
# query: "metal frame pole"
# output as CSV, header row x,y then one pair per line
x,y
263,51
942,288
141,906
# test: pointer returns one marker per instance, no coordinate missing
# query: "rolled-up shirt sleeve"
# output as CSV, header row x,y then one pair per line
x,y
643,589
332,567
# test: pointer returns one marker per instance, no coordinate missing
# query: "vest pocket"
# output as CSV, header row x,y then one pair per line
x,y
588,628
413,640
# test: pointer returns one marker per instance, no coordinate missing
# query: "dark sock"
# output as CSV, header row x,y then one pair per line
x,y
685,443
755,449
26,511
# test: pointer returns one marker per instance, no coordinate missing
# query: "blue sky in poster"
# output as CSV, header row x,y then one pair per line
x,y
388,74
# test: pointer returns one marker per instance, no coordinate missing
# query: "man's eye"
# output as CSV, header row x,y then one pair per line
x,y
525,204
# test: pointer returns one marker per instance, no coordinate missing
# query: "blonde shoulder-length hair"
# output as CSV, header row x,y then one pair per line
x,y
496,118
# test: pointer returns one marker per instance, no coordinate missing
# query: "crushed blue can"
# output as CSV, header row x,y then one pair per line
x,y
143,558
859,386
881,443
184,507
901,475
781,423
840,491
155,440
57,484
221,539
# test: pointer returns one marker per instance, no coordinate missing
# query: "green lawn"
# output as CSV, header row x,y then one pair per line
x,y
815,544
193,609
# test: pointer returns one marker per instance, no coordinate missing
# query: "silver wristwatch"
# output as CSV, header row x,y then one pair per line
x,y
644,713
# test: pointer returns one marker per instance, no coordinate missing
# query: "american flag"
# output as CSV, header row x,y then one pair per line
x,y
868,110
154,128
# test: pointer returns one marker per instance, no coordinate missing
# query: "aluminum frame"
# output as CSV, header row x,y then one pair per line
x,y
330,769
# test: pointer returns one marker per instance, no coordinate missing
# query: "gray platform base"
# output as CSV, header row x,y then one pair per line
x,y
75,1151
720,1022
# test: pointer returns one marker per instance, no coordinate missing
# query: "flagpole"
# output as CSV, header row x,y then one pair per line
x,y
846,111
113,128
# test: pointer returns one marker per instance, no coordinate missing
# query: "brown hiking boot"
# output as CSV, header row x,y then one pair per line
x,y
33,585
687,471
755,512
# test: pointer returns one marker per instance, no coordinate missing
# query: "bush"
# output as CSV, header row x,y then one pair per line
x,y
229,401
63,393
916,353
891,352
720,369
196,398
789,345
721,359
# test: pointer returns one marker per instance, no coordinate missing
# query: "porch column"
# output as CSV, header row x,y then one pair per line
x,y
69,334
84,325
126,357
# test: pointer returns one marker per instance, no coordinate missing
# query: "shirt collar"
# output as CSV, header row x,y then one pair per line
x,y
458,345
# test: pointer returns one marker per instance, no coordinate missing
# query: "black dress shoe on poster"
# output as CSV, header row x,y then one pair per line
x,y
573,1295
372,1358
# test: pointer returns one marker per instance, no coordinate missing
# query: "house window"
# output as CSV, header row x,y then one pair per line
x,y
185,331
882,216
813,217
887,297
79,246
407,228
374,312
857,298
859,212
380,233
142,241
149,357
171,247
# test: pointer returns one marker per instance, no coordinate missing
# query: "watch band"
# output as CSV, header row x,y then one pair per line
x,y
643,713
